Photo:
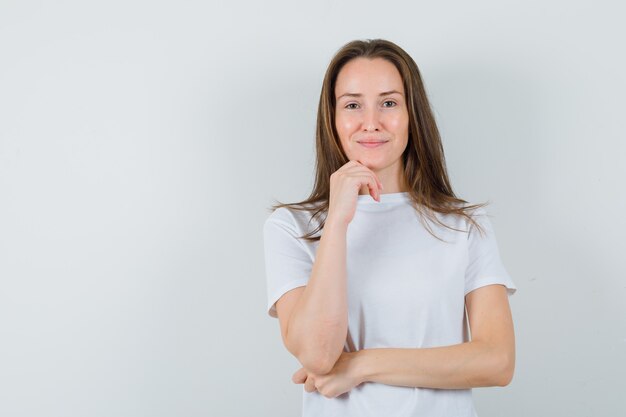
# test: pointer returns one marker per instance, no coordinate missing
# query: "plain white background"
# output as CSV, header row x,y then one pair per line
x,y
141,143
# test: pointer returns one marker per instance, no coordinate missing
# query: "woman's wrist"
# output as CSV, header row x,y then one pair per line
x,y
361,366
335,225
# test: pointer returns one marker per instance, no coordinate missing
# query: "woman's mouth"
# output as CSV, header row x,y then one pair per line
x,y
373,144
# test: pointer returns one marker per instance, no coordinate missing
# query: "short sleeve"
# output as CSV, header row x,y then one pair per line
x,y
484,264
288,263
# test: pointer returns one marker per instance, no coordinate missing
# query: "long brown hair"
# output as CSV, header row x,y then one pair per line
x,y
423,159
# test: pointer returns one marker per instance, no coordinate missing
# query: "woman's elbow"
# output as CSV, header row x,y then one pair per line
x,y
505,372
317,364
318,355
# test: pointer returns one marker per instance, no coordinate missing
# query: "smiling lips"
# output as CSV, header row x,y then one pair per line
x,y
372,143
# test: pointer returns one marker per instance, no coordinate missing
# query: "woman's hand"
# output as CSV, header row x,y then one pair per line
x,y
342,378
345,184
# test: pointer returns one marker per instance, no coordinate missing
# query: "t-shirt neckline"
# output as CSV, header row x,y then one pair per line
x,y
384,198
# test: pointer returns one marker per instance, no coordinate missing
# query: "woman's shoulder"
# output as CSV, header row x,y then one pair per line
x,y
459,220
298,219
288,213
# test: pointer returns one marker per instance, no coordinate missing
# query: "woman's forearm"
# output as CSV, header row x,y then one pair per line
x,y
318,325
465,365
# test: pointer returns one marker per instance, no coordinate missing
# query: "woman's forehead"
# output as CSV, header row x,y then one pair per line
x,y
363,76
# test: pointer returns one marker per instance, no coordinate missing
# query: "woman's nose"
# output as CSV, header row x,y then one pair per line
x,y
371,119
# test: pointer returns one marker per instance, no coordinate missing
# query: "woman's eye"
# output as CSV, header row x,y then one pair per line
x,y
352,106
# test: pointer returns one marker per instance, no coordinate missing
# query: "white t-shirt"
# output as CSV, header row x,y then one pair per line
x,y
405,288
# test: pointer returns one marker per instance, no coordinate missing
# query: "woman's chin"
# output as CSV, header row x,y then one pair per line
x,y
367,160
372,164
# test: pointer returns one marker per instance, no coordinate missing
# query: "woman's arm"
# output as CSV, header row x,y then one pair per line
x,y
318,323
487,360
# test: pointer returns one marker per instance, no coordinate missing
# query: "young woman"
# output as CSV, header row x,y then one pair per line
x,y
376,277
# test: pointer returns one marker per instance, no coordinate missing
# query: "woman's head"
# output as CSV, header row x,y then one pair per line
x,y
371,117
422,157
413,159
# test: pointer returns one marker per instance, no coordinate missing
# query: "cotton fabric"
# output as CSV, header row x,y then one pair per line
x,y
405,289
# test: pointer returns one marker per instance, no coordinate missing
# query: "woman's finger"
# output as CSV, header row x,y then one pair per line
x,y
379,184
300,376
309,385
372,185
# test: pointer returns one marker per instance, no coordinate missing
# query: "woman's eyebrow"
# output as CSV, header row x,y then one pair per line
x,y
359,94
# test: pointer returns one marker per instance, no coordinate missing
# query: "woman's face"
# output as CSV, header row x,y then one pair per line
x,y
371,107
